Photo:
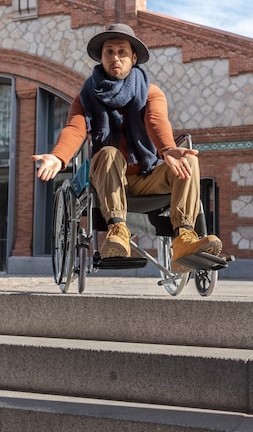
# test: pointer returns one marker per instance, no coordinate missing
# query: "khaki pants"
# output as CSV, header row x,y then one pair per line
x,y
108,176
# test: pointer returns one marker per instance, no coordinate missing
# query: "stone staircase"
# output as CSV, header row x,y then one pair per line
x,y
137,364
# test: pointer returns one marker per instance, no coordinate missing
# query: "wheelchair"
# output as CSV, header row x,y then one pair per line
x,y
77,222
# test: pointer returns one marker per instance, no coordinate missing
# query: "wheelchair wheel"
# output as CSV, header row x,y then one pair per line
x,y
84,240
84,258
64,236
173,285
82,252
205,281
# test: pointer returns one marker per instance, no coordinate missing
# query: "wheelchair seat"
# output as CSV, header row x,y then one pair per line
x,y
147,203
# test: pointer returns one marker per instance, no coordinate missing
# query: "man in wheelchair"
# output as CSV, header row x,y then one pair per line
x,y
133,149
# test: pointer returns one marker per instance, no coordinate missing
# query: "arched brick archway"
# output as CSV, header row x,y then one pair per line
x,y
41,71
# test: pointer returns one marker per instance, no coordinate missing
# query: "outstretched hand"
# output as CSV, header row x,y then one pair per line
x,y
50,166
176,159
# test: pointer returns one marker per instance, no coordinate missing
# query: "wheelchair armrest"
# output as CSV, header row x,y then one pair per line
x,y
184,140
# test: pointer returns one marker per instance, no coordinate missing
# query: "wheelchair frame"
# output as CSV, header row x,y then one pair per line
x,y
75,247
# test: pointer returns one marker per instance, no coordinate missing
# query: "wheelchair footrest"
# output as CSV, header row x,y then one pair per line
x,y
119,263
204,261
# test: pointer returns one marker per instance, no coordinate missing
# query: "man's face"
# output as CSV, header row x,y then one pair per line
x,y
117,58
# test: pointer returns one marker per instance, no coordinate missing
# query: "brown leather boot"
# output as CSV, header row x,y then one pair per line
x,y
117,242
188,243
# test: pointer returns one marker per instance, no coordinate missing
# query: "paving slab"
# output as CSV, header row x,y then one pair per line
x,y
123,286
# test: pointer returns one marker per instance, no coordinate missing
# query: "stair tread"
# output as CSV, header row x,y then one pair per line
x,y
128,411
128,347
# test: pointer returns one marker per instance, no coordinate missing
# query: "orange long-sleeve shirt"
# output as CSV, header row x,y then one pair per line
x,y
155,118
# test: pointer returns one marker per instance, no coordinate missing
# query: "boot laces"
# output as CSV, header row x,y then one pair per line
x,y
119,230
190,236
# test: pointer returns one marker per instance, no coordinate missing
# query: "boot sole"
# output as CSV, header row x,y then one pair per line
x,y
213,249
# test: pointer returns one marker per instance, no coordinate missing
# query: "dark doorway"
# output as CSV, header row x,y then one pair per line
x,y
3,216
210,200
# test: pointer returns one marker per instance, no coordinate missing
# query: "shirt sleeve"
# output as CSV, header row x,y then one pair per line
x,y
156,120
72,135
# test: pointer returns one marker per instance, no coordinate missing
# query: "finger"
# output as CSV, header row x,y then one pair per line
x,y
47,175
186,169
183,170
44,172
186,166
36,157
193,152
186,172
54,173
178,171
182,173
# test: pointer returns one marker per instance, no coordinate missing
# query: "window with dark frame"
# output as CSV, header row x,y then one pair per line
x,y
5,136
51,117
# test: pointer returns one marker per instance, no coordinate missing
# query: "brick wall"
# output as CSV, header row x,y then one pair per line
x,y
197,42
26,94
41,71
219,166
217,134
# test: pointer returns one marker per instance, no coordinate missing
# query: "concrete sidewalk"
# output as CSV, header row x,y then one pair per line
x,y
123,286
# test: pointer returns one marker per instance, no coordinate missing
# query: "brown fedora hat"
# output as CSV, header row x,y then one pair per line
x,y
117,31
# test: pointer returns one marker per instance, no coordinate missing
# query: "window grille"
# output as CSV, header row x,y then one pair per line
x,y
5,122
25,9
22,7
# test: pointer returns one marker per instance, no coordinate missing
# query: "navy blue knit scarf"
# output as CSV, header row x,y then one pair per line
x,y
102,97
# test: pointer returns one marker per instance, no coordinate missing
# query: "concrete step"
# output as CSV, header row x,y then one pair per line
x,y
165,320
125,362
27,412
200,377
